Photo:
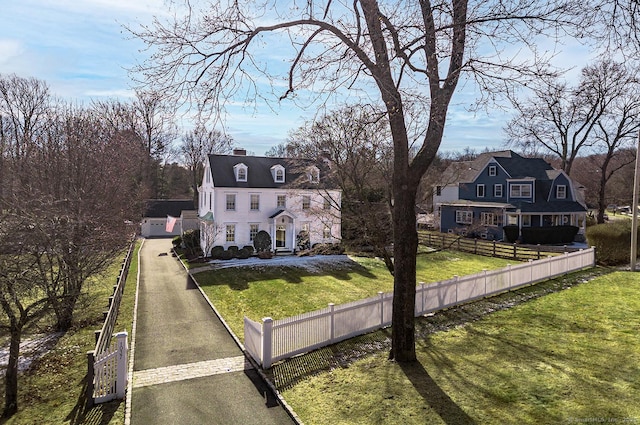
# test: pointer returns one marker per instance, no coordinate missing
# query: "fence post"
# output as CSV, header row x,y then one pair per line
x,y
455,278
515,251
90,376
267,341
121,380
484,271
538,251
421,298
510,278
530,264
566,262
332,320
381,298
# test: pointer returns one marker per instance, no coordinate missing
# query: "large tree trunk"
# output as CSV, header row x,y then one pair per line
x,y
11,375
405,246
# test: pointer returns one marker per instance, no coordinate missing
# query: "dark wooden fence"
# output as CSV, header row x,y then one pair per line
x,y
507,250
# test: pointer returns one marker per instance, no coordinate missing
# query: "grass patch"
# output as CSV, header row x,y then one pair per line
x,y
570,356
280,292
52,391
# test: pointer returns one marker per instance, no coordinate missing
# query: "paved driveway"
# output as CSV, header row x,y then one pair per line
x,y
187,368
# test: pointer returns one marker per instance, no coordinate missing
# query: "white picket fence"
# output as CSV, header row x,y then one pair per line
x,y
274,340
110,371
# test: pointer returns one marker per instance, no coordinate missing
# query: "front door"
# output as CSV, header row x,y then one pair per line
x,y
281,236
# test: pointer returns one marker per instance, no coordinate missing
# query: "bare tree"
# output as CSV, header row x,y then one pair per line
x,y
356,141
196,145
599,116
408,58
23,297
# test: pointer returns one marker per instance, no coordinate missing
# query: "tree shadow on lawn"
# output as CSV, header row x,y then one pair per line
x,y
240,278
437,399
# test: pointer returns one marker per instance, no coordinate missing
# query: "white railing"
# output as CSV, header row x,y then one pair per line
x,y
274,340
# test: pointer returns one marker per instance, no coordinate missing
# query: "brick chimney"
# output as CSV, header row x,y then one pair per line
x,y
240,152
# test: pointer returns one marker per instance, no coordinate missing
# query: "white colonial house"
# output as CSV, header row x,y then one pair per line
x,y
241,195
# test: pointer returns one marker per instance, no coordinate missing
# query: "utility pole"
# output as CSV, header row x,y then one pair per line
x,y
634,210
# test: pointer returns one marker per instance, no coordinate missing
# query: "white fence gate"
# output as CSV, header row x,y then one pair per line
x,y
110,371
274,340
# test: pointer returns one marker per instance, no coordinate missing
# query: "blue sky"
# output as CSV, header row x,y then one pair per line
x,y
79,47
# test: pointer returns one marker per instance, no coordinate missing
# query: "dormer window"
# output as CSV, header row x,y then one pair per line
x,y
277,172
240,171
493,170
313,174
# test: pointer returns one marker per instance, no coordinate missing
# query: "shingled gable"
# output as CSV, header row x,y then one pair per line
x,y
259,175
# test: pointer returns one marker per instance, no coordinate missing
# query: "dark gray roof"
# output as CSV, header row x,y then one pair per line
x,y
519,167
161,208
550,207
259,172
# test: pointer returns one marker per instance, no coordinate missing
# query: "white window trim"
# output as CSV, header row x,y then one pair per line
x,y
284,204
226,202
495,190
513,186
227,233
251,196
481,188
493,170
306,205
464,217
564,191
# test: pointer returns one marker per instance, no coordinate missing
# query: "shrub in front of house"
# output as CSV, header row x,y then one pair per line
x,y
612,242
216,252
243,253
262,242
233,250
249,249
511,233
226,255
191,240
327,249
177,241
549,235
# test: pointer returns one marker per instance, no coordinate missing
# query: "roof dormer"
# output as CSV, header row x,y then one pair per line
x,y
278,173
313,174
240,171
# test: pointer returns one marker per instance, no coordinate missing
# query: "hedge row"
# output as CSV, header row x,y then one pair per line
x,y
612,242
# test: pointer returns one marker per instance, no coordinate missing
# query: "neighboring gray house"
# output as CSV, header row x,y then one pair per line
x,y
154,219
497,189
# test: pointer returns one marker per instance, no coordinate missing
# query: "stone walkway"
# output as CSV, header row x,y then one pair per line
x,y
163,375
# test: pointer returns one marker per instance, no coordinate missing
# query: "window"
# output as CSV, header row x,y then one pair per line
x,y
306,227
497,190
493,170
242,175
306,202
488,219
231,232
281,201
520,191
253,231
480,190
279,175
464,217
561,191
526,221
327,204
255,202
326,232
210,204
231,202
438,190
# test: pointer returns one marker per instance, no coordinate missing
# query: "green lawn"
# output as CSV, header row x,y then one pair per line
x,y
280,292
52,391
567,357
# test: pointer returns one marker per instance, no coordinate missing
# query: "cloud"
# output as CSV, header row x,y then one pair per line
x,y
9,50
